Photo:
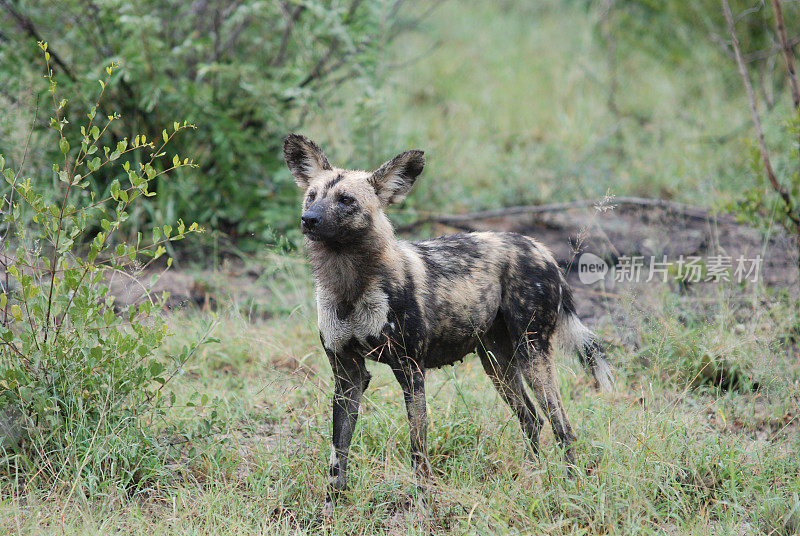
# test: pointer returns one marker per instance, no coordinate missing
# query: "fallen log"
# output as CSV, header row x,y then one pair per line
x,y
458,220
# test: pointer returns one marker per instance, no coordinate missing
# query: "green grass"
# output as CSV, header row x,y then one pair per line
x,y
658,455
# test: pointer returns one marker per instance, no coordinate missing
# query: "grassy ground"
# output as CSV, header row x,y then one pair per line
x,y
668,452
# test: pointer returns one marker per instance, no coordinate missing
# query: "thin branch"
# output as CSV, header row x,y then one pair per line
x,y
399,27
287,33
319,70
787,52
758,55
107,50
762,146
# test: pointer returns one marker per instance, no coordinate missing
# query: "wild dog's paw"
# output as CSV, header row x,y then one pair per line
x,y
328,508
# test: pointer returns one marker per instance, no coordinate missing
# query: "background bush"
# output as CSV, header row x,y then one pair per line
x,y
245,72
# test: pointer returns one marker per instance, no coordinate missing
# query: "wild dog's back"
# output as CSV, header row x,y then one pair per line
x,y
473,279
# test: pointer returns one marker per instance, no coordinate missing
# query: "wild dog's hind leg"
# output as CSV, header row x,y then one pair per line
x,y
508,382
351,379
539,372
411,377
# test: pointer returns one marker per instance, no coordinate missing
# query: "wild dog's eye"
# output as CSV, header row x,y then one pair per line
x,y
346,200
312,195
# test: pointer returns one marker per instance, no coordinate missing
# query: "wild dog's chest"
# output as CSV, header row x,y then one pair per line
x,y
363,319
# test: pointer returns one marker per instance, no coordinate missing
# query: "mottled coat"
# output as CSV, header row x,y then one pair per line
x,y
421,305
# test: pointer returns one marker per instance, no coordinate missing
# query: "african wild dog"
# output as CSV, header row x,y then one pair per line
x,y
421,305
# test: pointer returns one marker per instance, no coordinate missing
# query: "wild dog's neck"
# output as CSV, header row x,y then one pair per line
x,y
346,272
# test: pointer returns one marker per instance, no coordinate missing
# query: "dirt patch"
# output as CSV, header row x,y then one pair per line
x,y
234,282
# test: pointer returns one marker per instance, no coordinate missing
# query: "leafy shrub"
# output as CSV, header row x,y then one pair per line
x,y
80,385
245,73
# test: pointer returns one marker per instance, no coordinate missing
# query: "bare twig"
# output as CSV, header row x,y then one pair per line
x,y
287,34
758,55
762,146
400,26
320,69
787,52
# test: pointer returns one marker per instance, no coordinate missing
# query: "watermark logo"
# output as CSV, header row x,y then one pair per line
x,y
685,269
591,268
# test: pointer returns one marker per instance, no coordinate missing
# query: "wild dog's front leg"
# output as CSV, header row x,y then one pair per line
x,y
411,376
351,379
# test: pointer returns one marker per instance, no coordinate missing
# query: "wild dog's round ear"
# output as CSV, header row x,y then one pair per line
x,y
304,158
393,180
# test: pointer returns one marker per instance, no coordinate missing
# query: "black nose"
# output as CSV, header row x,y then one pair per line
x,y
309,221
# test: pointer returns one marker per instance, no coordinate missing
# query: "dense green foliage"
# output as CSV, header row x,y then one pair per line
x,y
245,73
81,387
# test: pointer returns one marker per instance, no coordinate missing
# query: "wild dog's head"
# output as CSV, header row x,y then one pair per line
x,y
342,206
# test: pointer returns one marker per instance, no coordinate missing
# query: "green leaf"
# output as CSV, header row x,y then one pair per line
x,y
95,132
165,135
63,145
156,368
8,336
115,189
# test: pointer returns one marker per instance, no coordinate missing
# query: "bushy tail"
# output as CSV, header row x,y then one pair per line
x,y
574,335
